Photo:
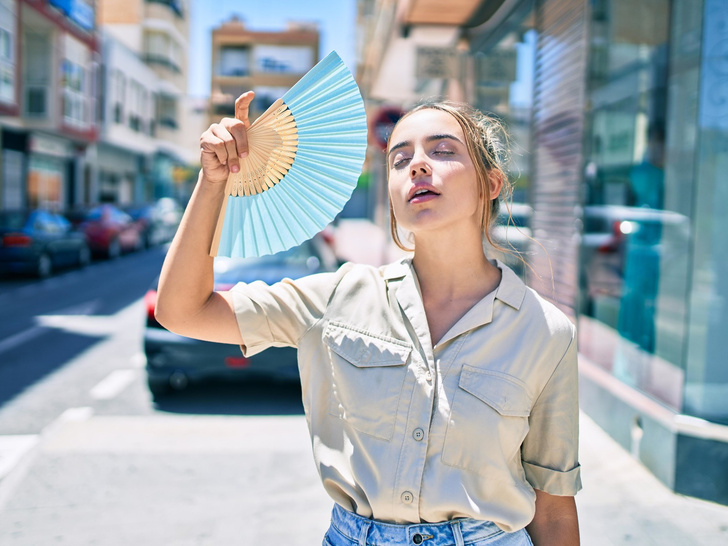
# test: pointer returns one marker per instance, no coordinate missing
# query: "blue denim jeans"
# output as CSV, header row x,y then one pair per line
x,y
348,529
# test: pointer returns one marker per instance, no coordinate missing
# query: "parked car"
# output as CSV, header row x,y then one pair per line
x,y
109,231
173,361
39,242
158,221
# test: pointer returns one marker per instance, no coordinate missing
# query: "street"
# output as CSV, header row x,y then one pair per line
x,y
86,457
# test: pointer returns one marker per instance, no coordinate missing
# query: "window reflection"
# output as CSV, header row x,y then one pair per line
x,y
629,239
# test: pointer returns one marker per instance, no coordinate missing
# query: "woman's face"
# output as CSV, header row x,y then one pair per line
x,y
432,179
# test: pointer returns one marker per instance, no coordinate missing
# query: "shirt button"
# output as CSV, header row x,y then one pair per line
x,y
428,376
418,434
407,497
366,356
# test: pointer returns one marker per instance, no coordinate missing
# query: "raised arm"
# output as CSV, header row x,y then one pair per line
x,y
186,301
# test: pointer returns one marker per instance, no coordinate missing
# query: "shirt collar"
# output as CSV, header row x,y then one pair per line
x,y
510,291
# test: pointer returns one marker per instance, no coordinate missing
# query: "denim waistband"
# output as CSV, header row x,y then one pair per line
x,y
370,532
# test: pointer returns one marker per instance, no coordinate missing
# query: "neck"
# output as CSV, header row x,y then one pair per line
x,y
450,267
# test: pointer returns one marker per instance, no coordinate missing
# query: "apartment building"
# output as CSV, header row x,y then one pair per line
x,y
268,62
145,83
49,58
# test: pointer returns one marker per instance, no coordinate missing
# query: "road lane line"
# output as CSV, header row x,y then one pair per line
x,y
24,336
12,449
112,385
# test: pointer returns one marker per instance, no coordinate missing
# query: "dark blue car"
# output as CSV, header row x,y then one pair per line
x,y
173,361
39,242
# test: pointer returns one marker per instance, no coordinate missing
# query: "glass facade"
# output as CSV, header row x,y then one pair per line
x,y
706,391
635,246
652,258
643,123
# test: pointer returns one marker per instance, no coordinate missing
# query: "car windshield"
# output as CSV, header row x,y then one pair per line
x,y
293,263
13,219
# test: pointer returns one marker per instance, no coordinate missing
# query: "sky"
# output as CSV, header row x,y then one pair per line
x,y
336,20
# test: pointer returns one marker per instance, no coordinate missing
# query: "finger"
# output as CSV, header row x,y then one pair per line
x,y
240,134
242,107
227,148
209,143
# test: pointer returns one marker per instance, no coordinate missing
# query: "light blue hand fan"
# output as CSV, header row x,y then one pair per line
x,y
305,156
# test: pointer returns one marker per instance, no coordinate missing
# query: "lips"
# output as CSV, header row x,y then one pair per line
x,y
421,191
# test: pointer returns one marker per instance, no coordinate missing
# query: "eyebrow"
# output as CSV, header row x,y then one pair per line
x,y
431,138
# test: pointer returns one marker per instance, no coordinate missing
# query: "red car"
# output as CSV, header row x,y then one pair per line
x,y
109,231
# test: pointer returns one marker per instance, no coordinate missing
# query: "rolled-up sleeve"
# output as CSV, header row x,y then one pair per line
x,y
278,315
550,452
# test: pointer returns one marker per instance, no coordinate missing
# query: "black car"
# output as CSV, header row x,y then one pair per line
x,y
39,242
173,361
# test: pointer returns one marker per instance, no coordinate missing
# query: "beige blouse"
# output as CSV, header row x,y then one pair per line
x,y
406,432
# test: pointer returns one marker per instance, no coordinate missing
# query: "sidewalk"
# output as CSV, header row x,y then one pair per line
x,y
184,481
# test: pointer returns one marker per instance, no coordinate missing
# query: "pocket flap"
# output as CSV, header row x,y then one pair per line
x,y
366,350
503,393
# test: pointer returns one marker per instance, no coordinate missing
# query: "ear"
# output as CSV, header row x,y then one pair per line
x,y
495,181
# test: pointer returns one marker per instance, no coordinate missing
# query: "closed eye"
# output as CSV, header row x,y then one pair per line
x,y
400,161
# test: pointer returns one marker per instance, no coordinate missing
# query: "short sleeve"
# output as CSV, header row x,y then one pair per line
x,y
278,315
550,451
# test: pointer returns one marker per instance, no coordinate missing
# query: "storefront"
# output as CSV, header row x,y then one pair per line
x,y
618,108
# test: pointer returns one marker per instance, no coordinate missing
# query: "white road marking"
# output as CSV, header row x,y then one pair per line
x,y
113,384
83,413
20,338
12,449
139,360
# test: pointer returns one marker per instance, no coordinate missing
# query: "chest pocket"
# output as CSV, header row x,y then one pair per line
x,y
488,421
367,374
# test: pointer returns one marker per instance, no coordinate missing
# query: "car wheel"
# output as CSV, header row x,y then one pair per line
x,y
158,386
84,256
45,266
114,249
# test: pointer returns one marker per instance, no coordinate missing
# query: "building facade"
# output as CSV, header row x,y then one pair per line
x,y
147,103
617,109
49,59
268,63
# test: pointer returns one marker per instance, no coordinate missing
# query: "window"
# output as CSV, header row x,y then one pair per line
x,y
7,52
234,61
160,49
283,59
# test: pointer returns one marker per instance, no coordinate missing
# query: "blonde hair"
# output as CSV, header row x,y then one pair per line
x,y
487,143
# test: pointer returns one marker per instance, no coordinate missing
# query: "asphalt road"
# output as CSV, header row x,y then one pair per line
x,y
86,455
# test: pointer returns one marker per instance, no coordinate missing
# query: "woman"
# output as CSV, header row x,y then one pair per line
x,y
440,392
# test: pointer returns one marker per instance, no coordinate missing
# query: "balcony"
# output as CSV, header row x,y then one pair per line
x,y
162,60
174,5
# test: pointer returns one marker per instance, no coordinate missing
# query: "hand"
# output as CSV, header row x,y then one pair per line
x,y
224,143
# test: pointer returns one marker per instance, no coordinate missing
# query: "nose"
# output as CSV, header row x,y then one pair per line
x,y
419,167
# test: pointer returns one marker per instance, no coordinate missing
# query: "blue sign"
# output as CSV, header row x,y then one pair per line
x,y
80,12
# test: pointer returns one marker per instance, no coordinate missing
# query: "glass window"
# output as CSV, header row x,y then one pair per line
x,y
284,59
706,391
234,61
636,239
